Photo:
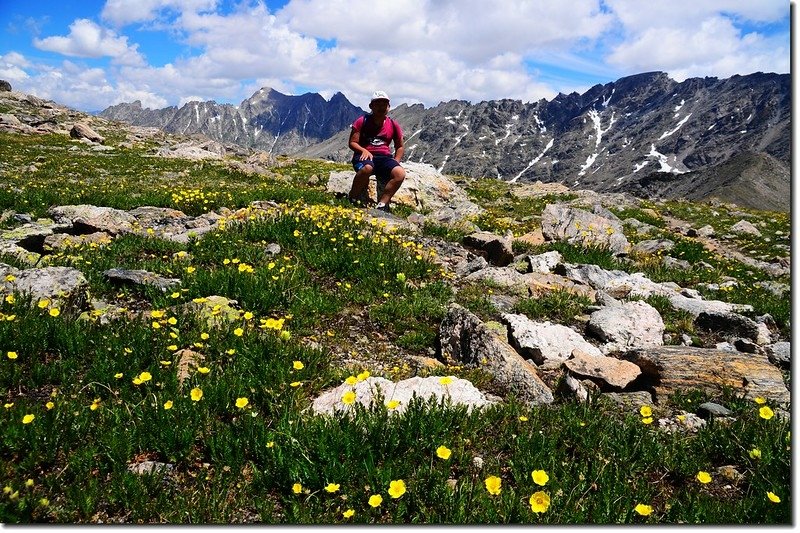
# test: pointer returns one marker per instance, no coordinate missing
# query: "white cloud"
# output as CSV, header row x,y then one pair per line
x,y
12,68
123,12
87,39
418,50
469,30
636,15
246,44
713,46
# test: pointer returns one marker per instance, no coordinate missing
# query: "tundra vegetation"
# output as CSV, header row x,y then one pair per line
x,y
221,403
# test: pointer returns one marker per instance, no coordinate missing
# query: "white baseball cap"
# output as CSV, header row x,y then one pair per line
x,y
379,95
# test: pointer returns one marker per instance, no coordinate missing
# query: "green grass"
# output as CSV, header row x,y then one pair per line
x,y
280,345
559,306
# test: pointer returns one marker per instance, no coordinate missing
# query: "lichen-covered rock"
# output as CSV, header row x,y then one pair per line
x,y
680,368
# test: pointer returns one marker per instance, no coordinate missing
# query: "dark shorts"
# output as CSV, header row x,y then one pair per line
x,y
382,165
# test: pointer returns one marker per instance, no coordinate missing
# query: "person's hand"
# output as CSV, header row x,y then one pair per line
x,y
366,155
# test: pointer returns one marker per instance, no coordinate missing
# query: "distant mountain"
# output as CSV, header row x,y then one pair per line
x,y
268,120
645,134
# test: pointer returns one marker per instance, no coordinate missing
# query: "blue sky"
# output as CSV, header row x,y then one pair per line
x,y
90,54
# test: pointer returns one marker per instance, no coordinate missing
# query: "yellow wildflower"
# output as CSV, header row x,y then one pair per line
x,y
348,397
540,477
443,452
642,509
397,488
540,501
493,484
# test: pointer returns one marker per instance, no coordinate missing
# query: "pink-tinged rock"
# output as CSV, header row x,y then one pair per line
x,y
613,372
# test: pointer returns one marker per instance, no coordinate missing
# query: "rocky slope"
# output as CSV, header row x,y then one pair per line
x,y
645,134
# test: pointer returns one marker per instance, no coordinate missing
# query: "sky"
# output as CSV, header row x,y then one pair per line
x,y
90,54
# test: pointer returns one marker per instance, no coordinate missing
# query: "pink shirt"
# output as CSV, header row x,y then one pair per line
x,y
377,141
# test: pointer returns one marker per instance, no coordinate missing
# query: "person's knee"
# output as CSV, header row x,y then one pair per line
x,y
398,173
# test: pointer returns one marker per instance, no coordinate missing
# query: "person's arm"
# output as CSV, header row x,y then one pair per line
x,y
399,150
354,146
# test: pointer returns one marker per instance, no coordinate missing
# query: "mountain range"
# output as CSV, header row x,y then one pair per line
x,y
645,134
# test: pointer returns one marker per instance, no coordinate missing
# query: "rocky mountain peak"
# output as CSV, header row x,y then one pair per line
x,y
624,135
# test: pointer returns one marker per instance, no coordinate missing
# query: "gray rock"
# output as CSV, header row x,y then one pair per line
x,y
457,392
706,231
90,219
780,354
84,131
543,341
424,189
465,339
495,248
571,387
576,226
653,246
680,264
743,226
745,345
709,410
468,267
140,277
543,263
731,324
632,324
150,467
51,283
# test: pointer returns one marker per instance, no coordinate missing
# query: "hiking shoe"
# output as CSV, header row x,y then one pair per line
x,y
384,208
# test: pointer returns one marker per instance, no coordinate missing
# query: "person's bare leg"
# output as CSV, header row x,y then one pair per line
x,y
360,183
393,185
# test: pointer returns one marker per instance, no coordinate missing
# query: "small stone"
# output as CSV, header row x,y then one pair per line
x,y
710,410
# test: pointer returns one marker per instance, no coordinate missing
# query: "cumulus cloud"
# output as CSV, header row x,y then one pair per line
x,y
87,39
687,38
418,50
124,12
12,67
469,30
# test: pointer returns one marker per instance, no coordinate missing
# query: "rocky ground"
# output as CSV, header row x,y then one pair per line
x,y
618,346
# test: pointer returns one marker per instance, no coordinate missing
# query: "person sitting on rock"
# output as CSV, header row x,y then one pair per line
x,y
370,137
